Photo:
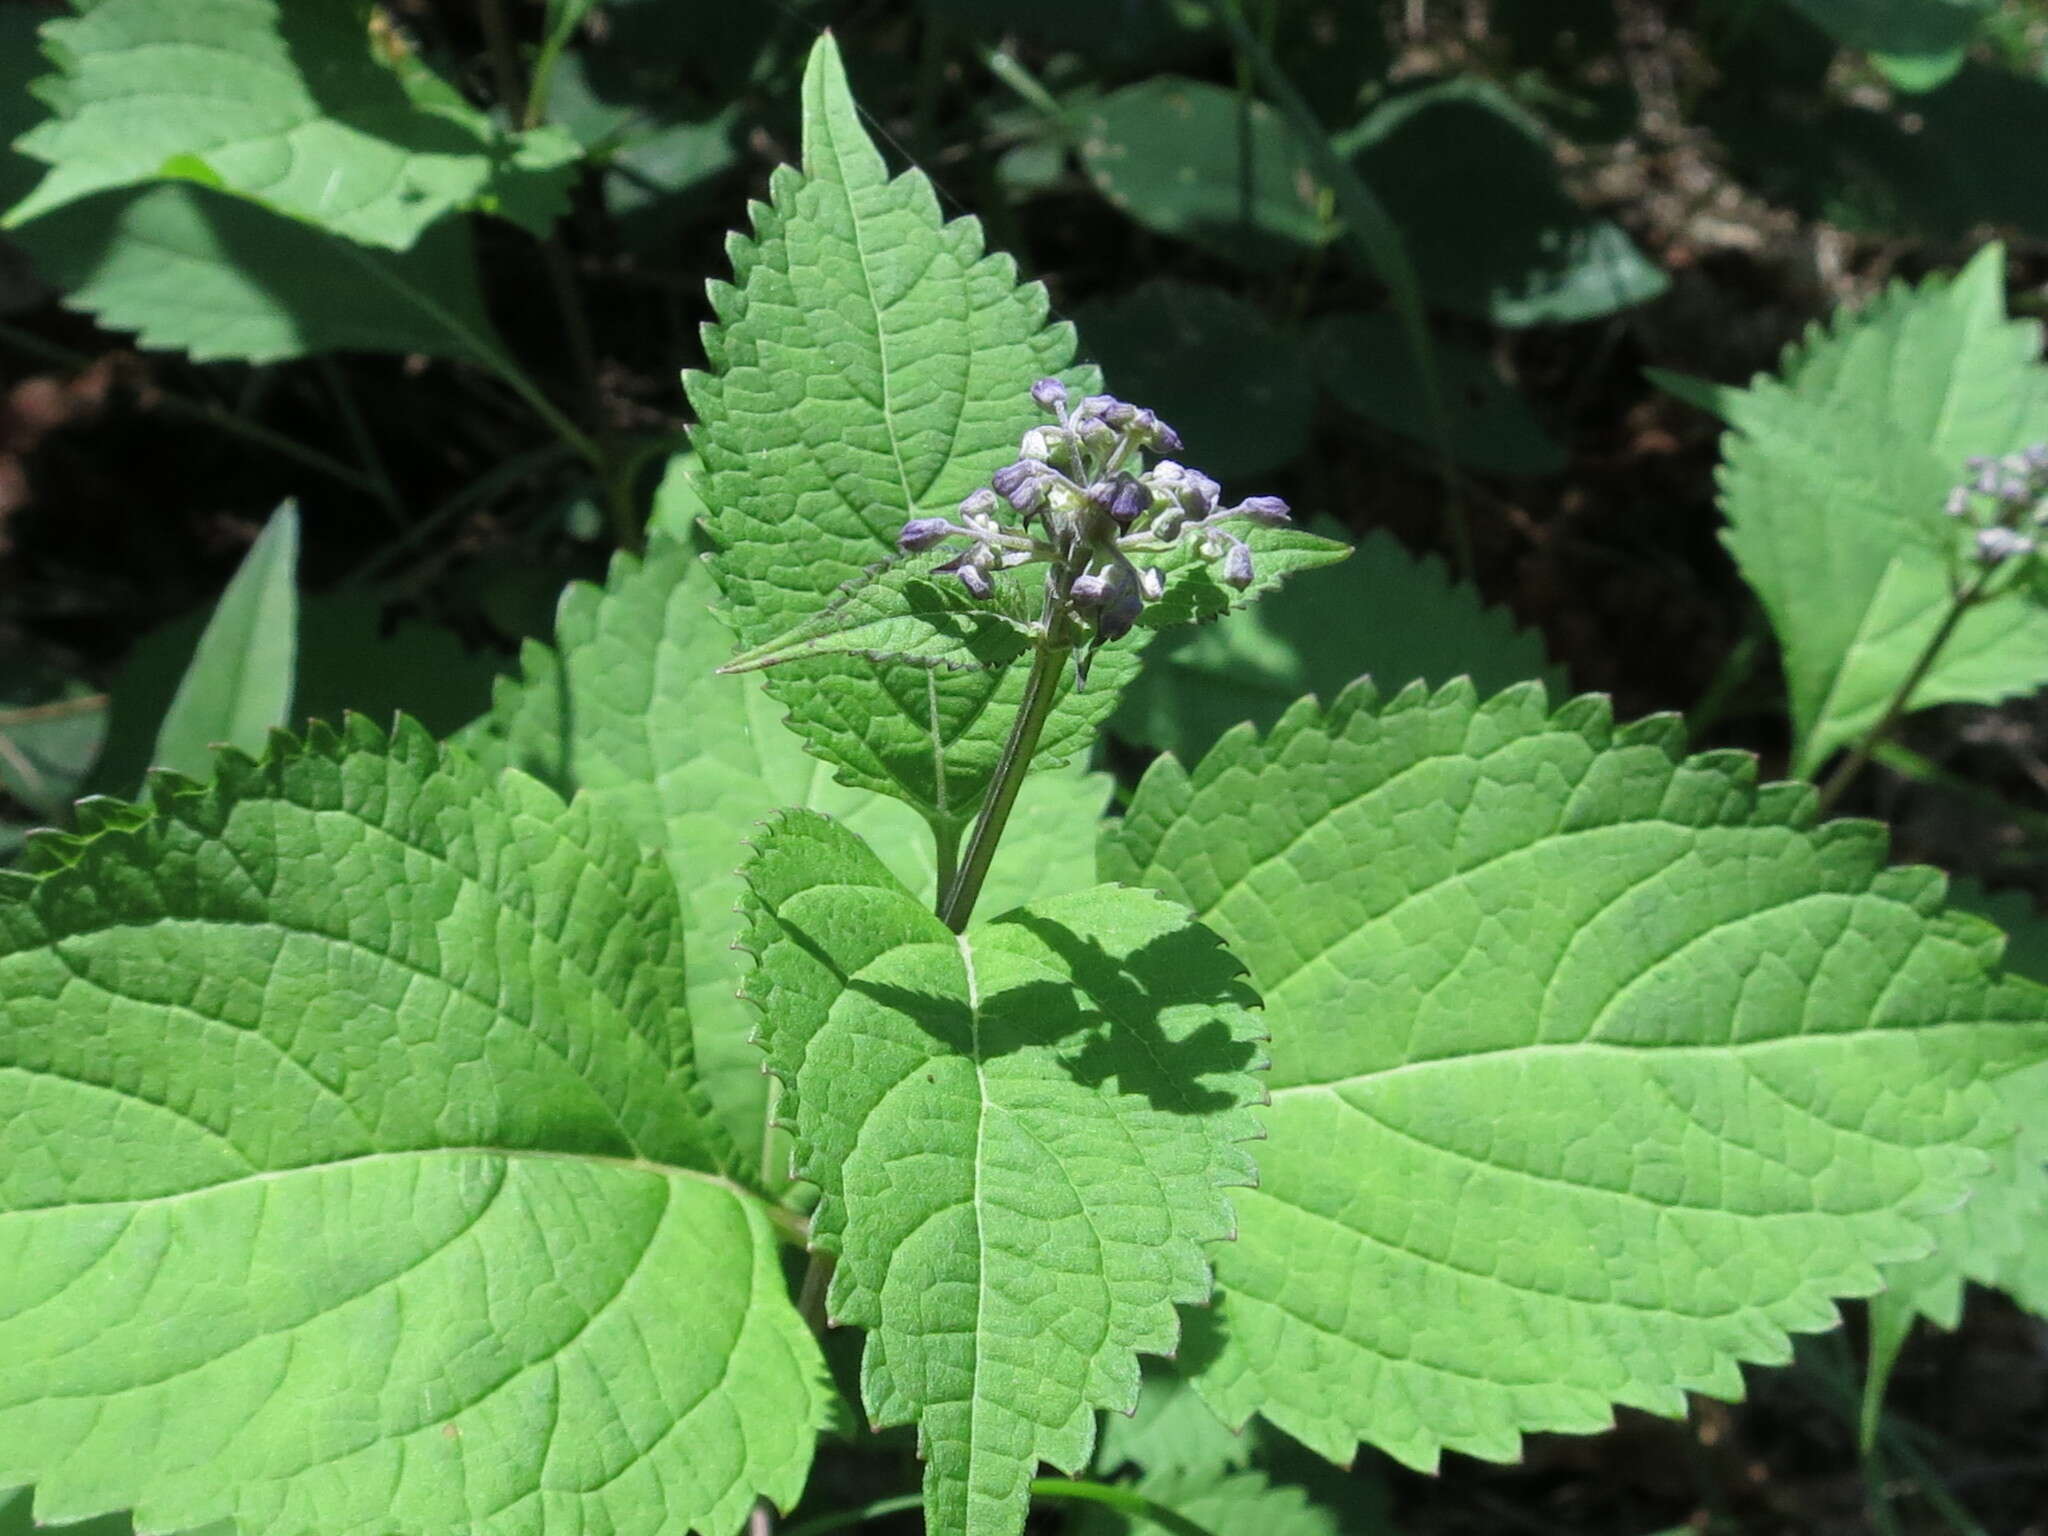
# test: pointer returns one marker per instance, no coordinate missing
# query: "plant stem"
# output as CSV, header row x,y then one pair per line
x,y
810,1299
359,434
1048,663
847,1518
1114,1495
946,834
1845,775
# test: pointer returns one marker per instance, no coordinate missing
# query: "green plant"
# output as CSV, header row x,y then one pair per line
x,y
380,1147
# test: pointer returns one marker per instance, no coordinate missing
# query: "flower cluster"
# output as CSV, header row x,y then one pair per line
x,y
1101,515
2003,505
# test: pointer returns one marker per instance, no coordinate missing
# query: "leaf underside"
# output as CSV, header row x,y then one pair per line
x,y
1020,1136
1833,477
1597,1070
353,1176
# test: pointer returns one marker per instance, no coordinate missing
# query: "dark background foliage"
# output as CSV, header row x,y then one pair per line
x,y
1585,188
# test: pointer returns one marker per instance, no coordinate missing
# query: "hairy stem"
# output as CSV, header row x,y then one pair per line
x,y
810,1299
1873,738
1048,663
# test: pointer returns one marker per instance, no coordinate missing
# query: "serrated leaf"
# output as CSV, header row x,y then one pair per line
x,y
1597,1069
1833,476
905,613
1509,245
193,269
1020,1136
872,364
629,711
347,1125
237,688
287,105
1382,613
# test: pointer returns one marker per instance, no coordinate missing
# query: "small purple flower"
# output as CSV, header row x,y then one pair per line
x,y
1089,591
1237,567
1995,546
1021,484
923,533
1121,615
1049,395
980,503
1266,511
975,580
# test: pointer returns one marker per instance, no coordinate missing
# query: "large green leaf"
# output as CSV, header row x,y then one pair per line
x,y
237,688
1382,613
1208,164
1833,477
1019,1134
872,364
190,268
629,710
1596,1069
288,105
1473,184
1171,1430
354,1176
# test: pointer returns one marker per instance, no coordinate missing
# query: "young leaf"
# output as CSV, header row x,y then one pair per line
x,y
872,364
353,1174
629,711
1019,1134
193,269
1383,613
238,687
288,105
1833,478
1597,1069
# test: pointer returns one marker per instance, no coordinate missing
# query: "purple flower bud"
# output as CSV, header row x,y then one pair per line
x,y
1120,615
980,503
1986,483
1155,434
2014,491
1122,497
1958,503
1995,546
975,581
1008,478
1266,511
923,533
2036,456
1089,591
1116,413
1237,567
1048,395
1167,525
1200,494
1022,485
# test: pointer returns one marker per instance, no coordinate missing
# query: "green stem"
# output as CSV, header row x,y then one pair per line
x,y
845,1519
946,834
1041,688
1115,1496
197,410
1845,775
810,1299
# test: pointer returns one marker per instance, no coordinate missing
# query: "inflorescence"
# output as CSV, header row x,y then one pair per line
x,y
2003,504
1101,513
